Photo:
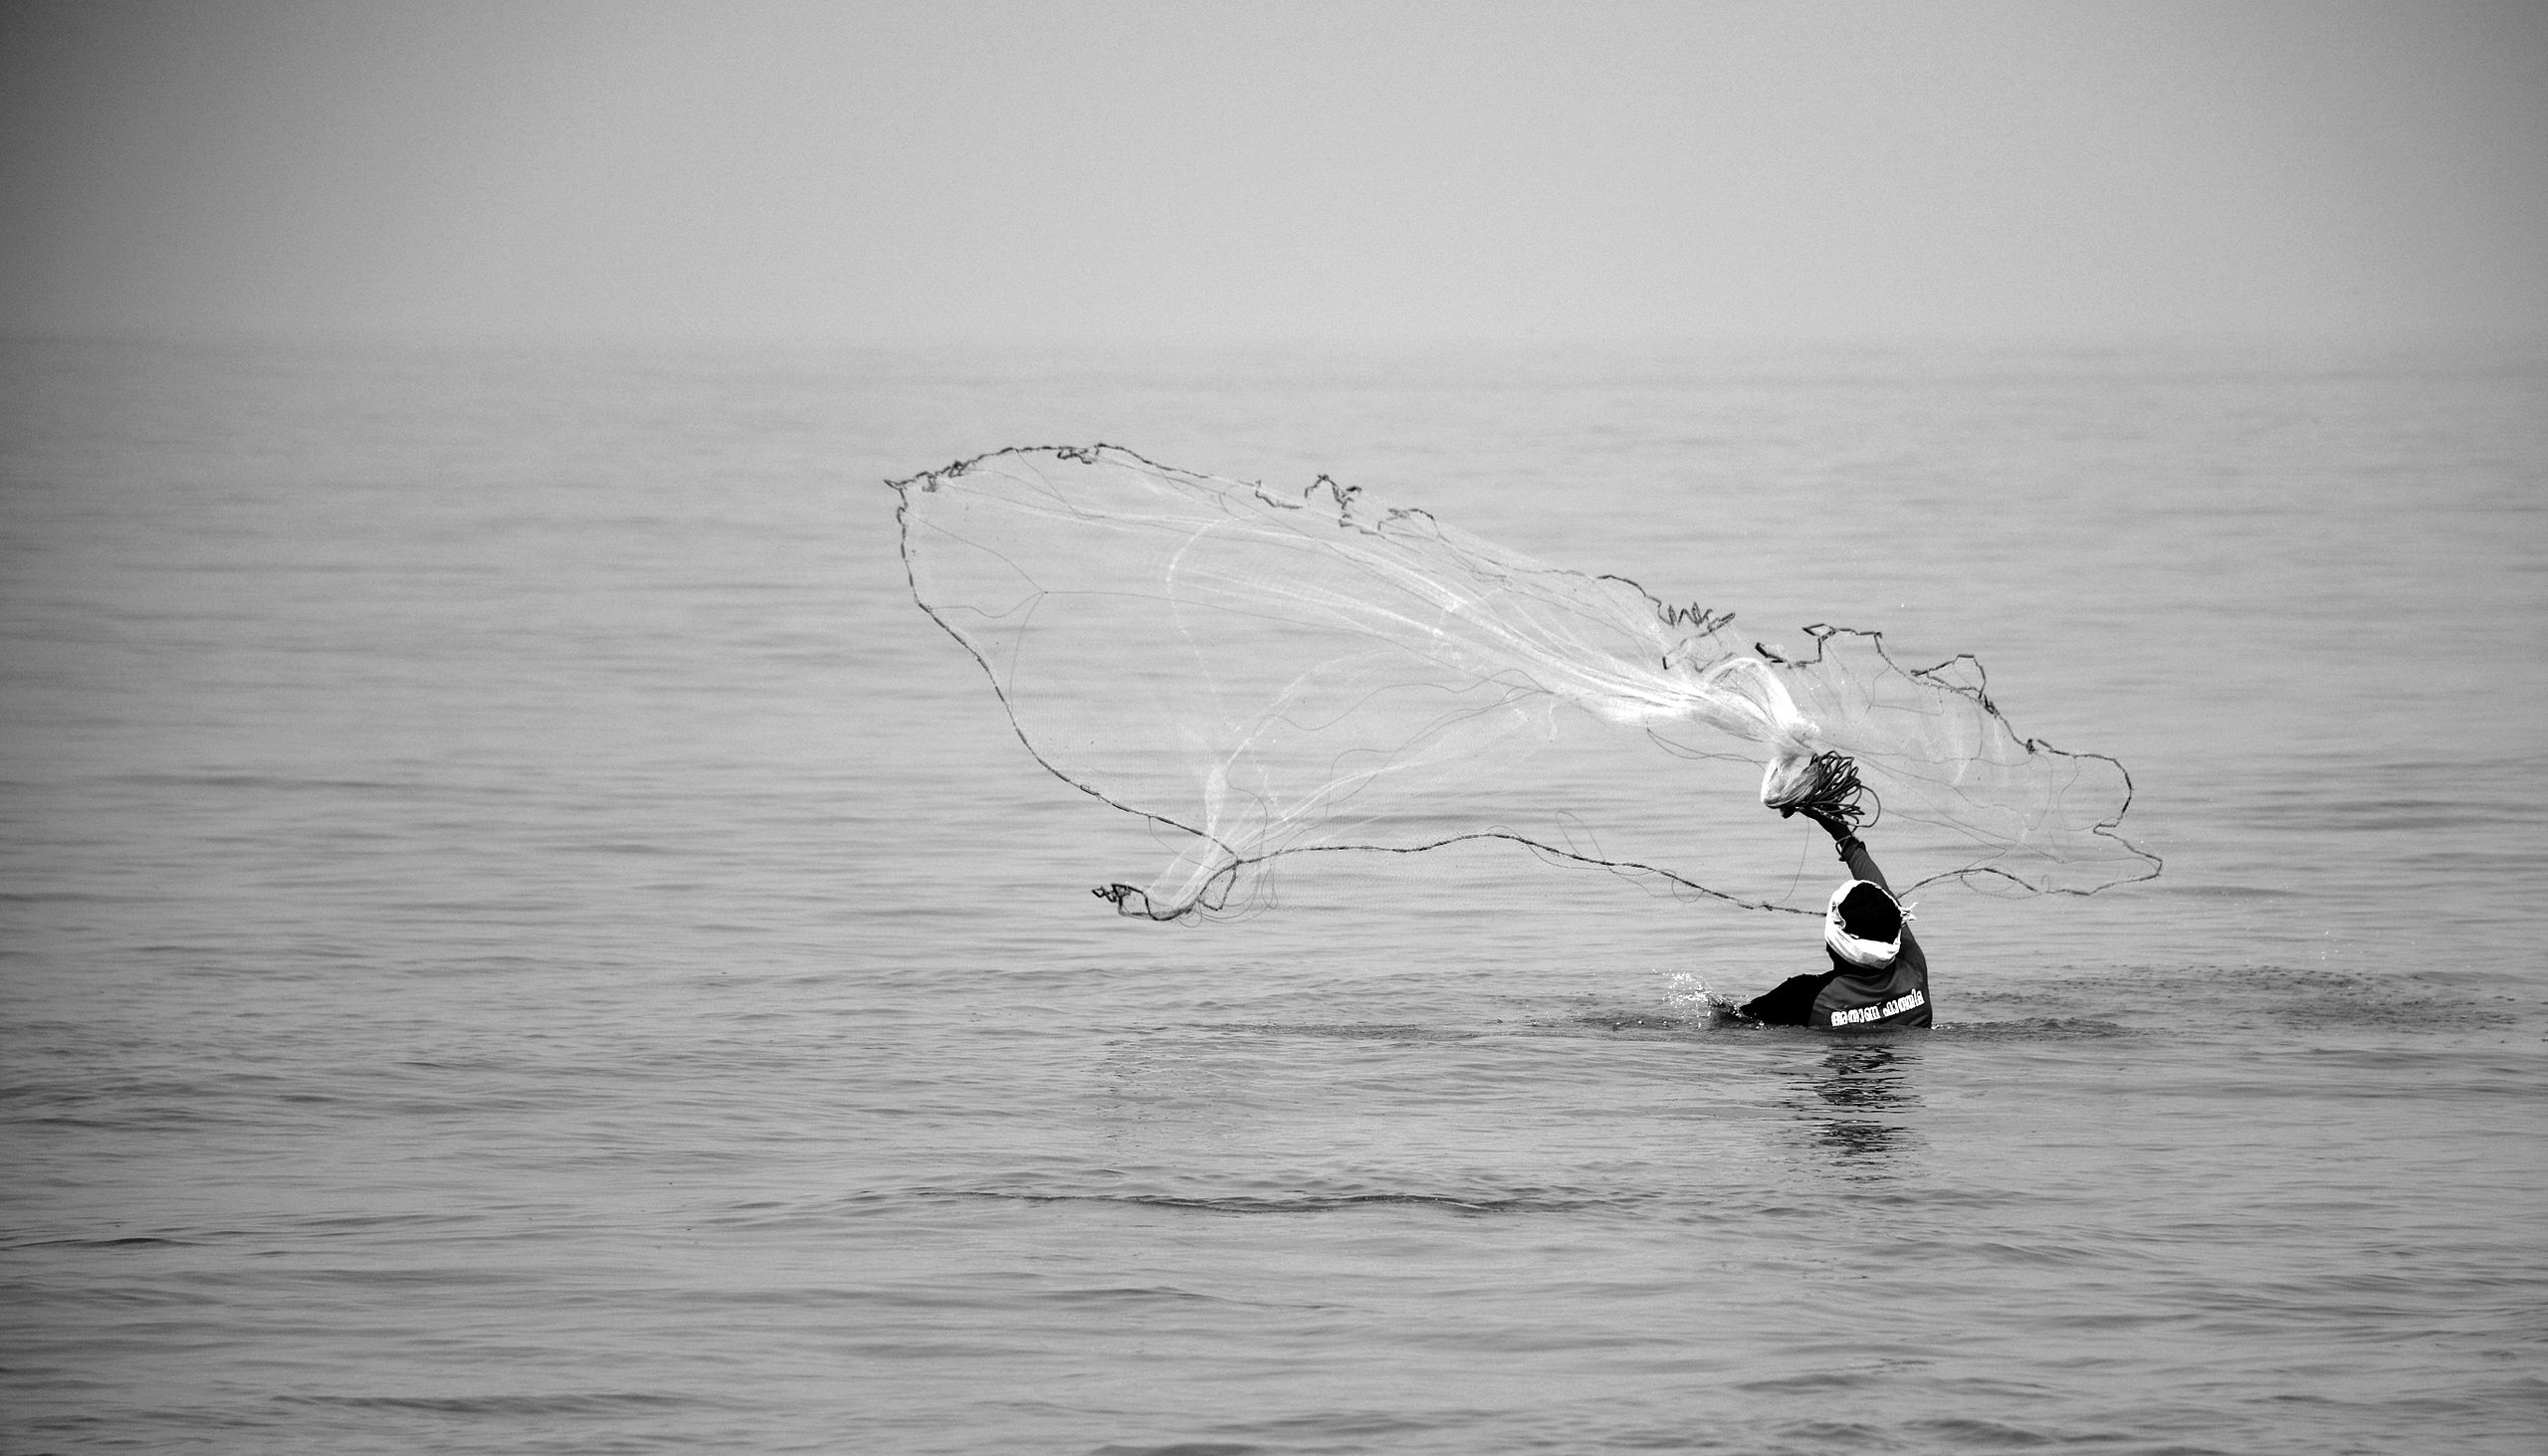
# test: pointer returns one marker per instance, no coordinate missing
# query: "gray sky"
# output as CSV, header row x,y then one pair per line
x,y
1131,171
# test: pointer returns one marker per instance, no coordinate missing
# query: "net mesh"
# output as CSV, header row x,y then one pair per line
x,y
1261,674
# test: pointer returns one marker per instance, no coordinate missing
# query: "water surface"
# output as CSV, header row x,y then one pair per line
x,y
519,937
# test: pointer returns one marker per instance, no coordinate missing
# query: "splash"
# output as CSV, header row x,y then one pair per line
x,y
1262,675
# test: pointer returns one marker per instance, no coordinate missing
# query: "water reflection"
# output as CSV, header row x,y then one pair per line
x,y
1856,1100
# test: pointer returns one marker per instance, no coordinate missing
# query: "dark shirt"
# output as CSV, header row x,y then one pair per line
x,y
1853,997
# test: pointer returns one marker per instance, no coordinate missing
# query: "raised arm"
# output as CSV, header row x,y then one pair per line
x,y
1852,850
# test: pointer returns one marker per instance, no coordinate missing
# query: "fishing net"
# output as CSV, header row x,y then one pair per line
x,y
1260,675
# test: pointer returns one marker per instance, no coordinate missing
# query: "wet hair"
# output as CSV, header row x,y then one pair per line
x,y
1870,914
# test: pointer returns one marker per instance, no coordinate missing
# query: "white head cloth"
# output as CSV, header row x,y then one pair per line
x,y
1873,954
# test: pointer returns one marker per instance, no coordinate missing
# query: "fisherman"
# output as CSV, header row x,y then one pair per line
x,y
1878,977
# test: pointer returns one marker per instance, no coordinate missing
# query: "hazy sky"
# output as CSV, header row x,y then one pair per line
x,y
1049,171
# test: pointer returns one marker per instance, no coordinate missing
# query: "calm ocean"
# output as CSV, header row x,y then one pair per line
x,y
521,938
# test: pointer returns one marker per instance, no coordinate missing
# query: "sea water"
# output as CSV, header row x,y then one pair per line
x,y
521,938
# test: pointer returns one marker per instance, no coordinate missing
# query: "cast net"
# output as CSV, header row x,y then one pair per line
x,y
1260,675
